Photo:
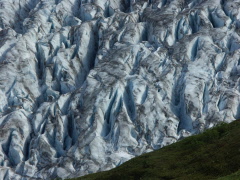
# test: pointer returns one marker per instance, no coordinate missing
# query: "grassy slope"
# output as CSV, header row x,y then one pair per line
x,y
211,155
234,176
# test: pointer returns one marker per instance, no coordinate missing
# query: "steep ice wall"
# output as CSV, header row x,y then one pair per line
x,y
85,85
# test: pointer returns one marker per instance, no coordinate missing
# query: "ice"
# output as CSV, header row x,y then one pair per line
x,y
87,85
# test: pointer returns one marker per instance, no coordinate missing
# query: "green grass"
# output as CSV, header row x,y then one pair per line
x,y
214,154
234,176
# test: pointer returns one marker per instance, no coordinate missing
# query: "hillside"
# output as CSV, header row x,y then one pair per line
x,y
215,154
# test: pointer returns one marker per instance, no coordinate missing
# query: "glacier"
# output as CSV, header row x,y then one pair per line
x,y
86,85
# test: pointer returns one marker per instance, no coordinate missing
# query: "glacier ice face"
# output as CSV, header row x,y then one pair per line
x,y
85,85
